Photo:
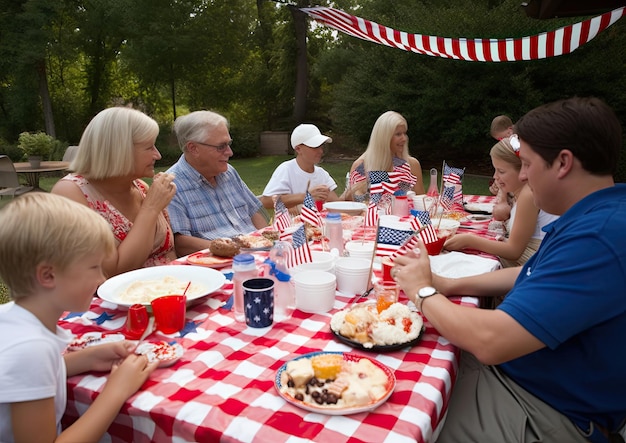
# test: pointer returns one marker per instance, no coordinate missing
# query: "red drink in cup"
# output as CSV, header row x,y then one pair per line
x,y
387,266
169,313
435,247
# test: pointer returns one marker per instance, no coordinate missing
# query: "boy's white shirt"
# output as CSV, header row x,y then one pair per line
x,y
289,178
32,364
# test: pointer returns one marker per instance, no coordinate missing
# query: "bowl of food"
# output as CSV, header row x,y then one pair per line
x,y
447,227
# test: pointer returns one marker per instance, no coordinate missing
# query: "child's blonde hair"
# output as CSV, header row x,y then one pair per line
x,y
504,151
40,227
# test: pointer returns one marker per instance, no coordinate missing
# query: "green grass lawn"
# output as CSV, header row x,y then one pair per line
x,y
257,171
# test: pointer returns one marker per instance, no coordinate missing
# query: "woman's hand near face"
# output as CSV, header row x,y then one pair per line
x,y
161,192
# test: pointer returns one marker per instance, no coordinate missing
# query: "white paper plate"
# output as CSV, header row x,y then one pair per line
x,y
209,279
352,208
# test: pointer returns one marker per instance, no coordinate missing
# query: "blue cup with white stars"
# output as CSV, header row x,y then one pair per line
x,y
258,302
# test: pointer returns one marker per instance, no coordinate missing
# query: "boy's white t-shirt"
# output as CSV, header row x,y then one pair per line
x,y
289,178
32,365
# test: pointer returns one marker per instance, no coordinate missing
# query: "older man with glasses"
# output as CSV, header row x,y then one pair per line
x,y
212,201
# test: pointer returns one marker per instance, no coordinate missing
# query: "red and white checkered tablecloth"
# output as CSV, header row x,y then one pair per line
x,y
222,389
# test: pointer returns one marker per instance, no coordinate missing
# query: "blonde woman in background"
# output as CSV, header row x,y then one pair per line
x,y
387,150
115,151
525,225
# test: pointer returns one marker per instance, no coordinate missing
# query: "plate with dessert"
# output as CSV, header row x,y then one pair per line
x,y
165,353
372,327
335,383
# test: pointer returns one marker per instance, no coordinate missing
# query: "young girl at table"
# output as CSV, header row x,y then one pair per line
x,y
525,225
387,150
51,254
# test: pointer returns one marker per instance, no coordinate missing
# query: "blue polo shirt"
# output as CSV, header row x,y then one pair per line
x,y
571,295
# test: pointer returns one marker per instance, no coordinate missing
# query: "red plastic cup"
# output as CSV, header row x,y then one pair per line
x,y
436,247
169,313
387,266
136,321
319,204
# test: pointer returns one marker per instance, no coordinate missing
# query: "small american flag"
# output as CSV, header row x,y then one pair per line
x,y
282,219
356,177
408,245
446,199
371,218
402,173
429,234
380,182
301,253
452,175
309,212
390,239
376,181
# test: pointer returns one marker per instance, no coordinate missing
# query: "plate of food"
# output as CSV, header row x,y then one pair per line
x,y
478,208
363,327
480,218
335,383
166,353
208,259
145,284
253,242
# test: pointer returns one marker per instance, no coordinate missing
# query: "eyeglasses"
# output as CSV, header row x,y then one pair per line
x,y
515,144
219,148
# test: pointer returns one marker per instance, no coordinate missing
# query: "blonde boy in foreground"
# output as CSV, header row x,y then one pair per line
x,y
51,254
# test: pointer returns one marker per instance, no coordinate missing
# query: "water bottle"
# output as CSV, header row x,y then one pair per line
x,y
334,232
433,189
244,268
284,297
400,204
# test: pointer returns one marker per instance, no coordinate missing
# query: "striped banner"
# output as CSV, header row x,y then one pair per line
x,y
547,44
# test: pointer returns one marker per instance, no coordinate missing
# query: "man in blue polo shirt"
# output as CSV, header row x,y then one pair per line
x,y
548,364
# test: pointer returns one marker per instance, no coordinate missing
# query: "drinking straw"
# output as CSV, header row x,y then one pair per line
x,y
186,288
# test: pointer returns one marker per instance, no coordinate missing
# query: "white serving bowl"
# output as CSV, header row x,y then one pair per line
x,y
350,208
446,225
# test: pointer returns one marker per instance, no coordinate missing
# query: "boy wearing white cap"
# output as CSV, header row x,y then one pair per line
x,y
291,178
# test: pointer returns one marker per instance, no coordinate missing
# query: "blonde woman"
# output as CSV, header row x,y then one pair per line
x,y
525,225
387,150
115,151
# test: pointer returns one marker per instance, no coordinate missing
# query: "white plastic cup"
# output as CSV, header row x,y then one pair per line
x,y
315,291
360,249
352,275
423,202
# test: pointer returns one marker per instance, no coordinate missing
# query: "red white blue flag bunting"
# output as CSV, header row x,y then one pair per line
x,y
561,41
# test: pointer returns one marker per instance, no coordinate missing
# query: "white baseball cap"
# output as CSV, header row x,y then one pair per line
x,y
308,135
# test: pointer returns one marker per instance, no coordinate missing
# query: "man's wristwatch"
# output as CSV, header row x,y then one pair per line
x,y
425,292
